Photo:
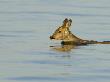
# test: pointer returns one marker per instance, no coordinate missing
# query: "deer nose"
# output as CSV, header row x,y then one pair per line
x,y
51,37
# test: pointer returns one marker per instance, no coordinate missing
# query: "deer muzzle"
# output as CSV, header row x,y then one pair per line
x,y
51,37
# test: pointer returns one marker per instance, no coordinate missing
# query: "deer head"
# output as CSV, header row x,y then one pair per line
x,y
62,32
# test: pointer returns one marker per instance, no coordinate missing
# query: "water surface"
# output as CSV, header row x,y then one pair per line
x,y
25,52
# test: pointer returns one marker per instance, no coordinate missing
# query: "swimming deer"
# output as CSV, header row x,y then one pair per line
x,y
63,33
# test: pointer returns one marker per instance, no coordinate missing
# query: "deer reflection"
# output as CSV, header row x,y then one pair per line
x,y
63,48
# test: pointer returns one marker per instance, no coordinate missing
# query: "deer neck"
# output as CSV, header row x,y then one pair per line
x,y
72,37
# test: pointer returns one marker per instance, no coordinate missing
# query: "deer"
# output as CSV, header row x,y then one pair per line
x,y
68,38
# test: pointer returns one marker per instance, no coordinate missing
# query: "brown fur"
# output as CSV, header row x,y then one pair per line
x,y
64,33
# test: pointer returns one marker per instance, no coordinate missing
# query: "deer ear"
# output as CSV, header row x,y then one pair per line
x,y
67,23
70,22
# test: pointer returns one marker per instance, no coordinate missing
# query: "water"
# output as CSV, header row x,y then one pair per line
x,y
25,52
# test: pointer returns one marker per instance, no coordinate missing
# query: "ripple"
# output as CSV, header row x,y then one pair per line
x,y
86,6
1,35
15,33
55,13
75,78
49,62
39,78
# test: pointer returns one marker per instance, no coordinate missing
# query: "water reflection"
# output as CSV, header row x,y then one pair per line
x,y
63,48
40,78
